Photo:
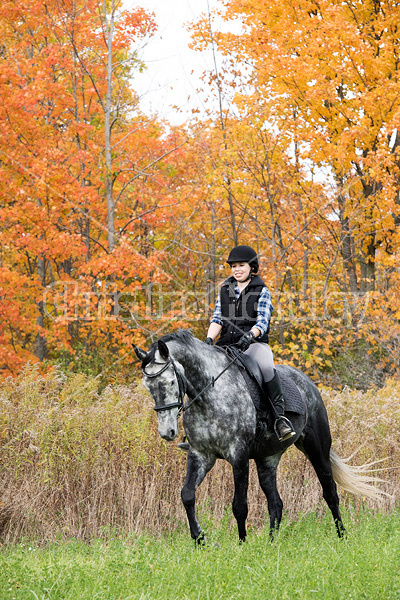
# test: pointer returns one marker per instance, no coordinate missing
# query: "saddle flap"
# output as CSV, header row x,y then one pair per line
x,y
249,364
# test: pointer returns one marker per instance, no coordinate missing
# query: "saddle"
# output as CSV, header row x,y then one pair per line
x,y
253,377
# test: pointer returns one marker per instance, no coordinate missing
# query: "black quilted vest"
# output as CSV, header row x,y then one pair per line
x,y
240,315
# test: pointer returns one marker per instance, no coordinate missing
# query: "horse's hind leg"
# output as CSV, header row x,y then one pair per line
x,y
316,445
266,468
198,466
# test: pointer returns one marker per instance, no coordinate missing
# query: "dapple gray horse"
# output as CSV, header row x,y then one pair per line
x,y
220,419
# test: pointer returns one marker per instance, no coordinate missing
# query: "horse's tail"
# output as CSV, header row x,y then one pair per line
x,y
351,479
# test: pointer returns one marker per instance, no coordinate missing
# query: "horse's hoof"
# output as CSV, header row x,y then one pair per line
x,y
201,540
184,446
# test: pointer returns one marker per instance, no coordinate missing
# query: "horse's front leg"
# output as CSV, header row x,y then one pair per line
x,y
198,465
239,504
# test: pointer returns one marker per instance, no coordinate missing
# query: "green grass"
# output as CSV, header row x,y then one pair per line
x,y
306,561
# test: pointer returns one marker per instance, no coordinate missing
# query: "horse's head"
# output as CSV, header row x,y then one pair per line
x,y
162,378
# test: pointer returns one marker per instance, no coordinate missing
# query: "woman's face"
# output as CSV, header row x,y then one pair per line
x,y
241,271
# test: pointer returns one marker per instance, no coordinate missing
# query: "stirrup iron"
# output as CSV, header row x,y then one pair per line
x,y
288,431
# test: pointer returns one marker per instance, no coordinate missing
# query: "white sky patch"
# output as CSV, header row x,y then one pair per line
x,y
172,77
171,86
393,139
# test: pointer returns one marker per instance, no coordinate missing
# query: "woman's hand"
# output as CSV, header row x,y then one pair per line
x,y
244,343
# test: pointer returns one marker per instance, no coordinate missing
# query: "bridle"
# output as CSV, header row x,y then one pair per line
x,y
181,385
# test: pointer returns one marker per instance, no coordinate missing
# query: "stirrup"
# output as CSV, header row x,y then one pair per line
x,y
288,431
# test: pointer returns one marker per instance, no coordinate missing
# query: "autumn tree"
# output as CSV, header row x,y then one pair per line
x,y
322,79
56,105
116,225
332,69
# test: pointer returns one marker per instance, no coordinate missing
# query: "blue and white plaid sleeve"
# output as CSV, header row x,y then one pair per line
x,y
217,315
264,310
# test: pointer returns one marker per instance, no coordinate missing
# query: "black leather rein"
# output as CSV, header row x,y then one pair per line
x,y
184,384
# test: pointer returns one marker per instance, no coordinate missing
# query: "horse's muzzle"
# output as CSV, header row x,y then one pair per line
x,y
170,435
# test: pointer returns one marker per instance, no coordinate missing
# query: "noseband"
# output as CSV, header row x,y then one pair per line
x,y
181,384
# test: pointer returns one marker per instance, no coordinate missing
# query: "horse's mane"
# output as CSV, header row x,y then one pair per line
x,y
182,335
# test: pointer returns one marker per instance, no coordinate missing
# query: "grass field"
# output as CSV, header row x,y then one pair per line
x,y
306,561
90,504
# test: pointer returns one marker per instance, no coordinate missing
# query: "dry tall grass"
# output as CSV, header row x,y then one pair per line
x,y
78,463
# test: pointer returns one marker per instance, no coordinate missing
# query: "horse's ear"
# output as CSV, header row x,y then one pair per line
x,y
141,354
163,350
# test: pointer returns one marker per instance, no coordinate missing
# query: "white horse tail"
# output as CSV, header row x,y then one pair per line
x,y
353,480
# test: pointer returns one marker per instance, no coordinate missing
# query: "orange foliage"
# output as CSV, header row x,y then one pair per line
x,y
300,160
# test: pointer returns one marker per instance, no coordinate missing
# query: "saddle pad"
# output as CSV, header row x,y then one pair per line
x,y
293,400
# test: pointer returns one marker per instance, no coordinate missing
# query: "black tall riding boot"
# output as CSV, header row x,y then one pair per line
x,y
283,427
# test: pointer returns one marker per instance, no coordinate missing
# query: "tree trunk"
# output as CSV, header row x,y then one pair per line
x,y
41,345
227,178
367,263
346,249
211,283
107,134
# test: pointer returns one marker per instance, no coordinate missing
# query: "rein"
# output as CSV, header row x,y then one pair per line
x,y
183,383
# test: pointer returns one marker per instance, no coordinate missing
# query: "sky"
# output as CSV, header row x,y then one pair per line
x,y
173,70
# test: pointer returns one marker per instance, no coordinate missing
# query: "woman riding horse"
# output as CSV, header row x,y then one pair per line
x,y
241,317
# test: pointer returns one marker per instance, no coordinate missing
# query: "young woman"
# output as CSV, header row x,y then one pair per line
x,y
241,316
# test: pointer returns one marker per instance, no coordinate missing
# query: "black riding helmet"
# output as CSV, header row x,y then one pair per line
x,y
244,254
